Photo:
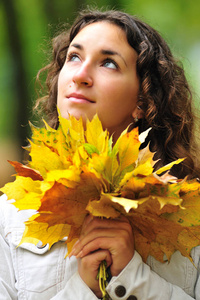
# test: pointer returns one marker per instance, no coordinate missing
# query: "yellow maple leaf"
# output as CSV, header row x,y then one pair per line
x,y
36,232
19,188
128,148
98,138
43,159
75,171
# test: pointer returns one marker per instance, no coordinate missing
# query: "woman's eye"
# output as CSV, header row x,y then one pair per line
x,y
110,64
73,57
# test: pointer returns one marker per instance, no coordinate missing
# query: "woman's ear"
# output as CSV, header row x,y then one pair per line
x,y
137,113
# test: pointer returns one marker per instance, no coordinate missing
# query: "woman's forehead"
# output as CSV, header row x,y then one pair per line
x,y
100,28
104,35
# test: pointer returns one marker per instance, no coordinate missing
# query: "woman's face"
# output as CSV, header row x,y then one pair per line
x,y
99,76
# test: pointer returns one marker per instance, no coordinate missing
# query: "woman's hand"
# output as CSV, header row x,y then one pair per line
x,y
103,239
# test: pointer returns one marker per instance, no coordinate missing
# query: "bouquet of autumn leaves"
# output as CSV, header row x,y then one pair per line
x,y
75,171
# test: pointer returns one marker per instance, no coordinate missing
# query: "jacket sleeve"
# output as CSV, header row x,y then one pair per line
x,y
7,277
138,280
75,288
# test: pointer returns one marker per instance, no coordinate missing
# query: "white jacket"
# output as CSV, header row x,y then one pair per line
x,y
31,273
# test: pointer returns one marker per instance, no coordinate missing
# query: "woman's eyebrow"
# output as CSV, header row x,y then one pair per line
x,y
103,51
111,52
78,46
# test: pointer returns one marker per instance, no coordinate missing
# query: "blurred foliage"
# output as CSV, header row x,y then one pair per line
x,y
178,22
26,28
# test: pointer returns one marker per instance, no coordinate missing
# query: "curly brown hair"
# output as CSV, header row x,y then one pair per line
x,y
165,95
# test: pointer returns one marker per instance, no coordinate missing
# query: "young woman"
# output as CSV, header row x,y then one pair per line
x,y
115,65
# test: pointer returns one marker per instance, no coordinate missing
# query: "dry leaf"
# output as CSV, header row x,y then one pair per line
x,y
75,171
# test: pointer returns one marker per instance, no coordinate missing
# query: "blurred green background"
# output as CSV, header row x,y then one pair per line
x,y
26,27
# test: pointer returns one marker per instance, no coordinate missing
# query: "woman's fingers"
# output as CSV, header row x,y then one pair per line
x,y
115,236
94,240
92,223
94,259
120,250
97,228
88,267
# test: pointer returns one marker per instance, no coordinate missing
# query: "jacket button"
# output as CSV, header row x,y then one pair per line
x,y
120,291
132,298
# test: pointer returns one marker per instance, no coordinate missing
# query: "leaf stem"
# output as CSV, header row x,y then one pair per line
x,y
103,282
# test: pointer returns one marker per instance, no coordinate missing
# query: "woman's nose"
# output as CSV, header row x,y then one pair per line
x,y
83,75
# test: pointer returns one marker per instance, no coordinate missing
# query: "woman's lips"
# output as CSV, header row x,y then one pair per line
x,y
79,98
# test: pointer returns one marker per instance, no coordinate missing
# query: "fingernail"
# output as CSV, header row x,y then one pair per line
x,y
76,242
74,248
79,255
71,253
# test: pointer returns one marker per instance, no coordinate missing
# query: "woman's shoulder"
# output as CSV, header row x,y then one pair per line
x,y
11,219
10,214
7,210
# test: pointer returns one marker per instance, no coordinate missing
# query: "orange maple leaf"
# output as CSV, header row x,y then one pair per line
x,y
82,173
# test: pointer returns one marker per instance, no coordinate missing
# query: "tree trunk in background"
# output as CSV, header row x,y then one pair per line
x,y
20,83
